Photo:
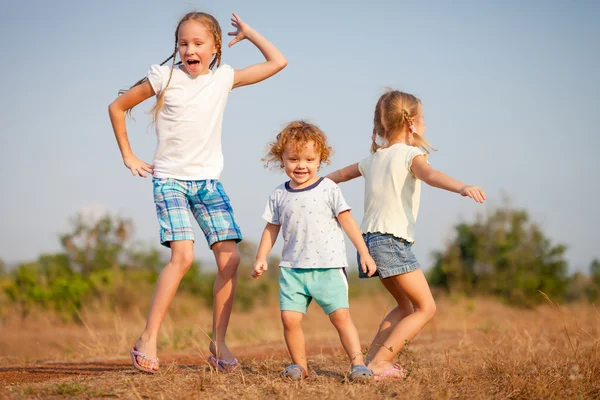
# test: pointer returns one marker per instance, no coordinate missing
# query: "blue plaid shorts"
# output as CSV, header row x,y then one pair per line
x,y
177,200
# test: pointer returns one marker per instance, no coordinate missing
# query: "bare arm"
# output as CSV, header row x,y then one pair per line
x,y
267,241
116,111
275,61
351,228
422,170
345,174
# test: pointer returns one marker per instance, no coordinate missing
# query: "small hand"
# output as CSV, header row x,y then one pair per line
x,y
260,266
367,264
241,30
474,192
137,166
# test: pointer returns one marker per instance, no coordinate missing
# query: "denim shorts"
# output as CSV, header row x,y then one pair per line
x,y
178,202
393,256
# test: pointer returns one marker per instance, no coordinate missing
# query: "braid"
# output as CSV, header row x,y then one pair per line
x,y
160,101
216,31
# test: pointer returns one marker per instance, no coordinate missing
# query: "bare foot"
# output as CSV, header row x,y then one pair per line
x,y
148,348
223,352
379,367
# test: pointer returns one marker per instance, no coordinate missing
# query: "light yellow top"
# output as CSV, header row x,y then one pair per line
x,y
392,192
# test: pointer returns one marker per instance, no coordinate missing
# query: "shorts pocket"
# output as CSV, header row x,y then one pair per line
x,y
385,252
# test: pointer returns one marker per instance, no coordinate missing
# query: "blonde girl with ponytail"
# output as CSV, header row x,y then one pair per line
x,y
393,175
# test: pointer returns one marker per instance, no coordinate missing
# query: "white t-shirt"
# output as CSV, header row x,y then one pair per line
x,y
392,192
188,128
312,235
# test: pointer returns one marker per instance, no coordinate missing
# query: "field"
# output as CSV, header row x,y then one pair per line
x,y
474,349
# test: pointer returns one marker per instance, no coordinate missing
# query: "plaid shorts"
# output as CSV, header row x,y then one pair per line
x,y
177,200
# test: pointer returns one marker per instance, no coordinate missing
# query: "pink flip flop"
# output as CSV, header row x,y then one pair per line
x,y
134,354
396,372
223,365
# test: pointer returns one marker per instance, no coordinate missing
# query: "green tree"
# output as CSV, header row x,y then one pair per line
x,y
96,245
503,254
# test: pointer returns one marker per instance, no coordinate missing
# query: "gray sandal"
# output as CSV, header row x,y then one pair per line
x,y
295,372
360,373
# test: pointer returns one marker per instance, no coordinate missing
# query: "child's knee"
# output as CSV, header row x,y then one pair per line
x,y
340,317
182,260
291,319
227,256
429,309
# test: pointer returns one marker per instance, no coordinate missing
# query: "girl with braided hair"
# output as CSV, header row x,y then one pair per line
x,y
393,175
188,114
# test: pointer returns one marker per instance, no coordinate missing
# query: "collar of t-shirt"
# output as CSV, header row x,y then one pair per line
x,y
314,185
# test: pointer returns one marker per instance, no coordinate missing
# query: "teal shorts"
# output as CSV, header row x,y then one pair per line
x,y
298,286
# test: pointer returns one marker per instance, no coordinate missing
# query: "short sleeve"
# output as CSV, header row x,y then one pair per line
x,y
271,214
226,74
363,165
337,201
412,153
155,77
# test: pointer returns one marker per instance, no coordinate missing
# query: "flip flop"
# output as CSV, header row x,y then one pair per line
x,y
360,373
134,354
295,372
396,372
223,365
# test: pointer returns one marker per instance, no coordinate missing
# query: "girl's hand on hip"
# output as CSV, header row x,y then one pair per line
x,y
241,30
474,192
137,166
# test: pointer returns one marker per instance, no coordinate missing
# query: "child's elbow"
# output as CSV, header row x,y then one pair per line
x,y
281,64
112,108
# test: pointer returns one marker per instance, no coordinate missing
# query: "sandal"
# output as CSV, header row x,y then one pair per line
x,y
134,354
295,372
360,373
223,365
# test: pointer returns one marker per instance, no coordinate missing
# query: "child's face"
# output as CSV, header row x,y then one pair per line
x,y
196,47
301,164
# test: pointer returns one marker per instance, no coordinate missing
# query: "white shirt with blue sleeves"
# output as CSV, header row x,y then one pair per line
x,y
312,235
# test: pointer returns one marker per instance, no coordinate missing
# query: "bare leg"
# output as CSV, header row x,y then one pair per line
x,y
228,259
294,337
402,310
342,321
182,256
414,286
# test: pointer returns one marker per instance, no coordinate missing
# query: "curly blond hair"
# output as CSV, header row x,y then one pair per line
x,y
297,134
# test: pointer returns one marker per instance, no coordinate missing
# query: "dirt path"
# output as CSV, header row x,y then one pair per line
x,y
43,371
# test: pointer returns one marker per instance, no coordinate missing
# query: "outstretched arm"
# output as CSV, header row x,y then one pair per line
x,y
345,174
351,228
116,111
275,61
267,241
422,170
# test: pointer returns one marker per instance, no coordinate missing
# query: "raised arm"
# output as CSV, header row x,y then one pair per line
x,y
351,229
275,61
422,170
267,241
345,174
116,111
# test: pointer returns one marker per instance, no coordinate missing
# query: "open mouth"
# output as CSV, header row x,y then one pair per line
x,y
193,64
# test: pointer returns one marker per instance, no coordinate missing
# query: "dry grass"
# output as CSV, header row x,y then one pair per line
x,y
475,349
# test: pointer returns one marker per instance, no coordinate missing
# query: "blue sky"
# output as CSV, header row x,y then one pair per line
x,y
510,94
